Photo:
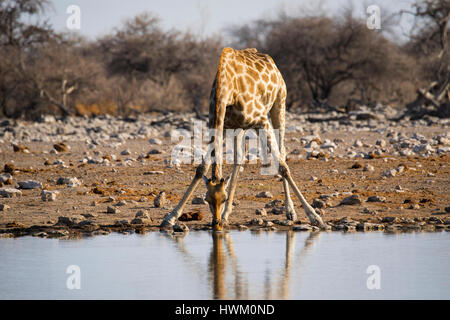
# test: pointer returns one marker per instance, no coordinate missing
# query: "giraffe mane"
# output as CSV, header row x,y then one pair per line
x,y
219,74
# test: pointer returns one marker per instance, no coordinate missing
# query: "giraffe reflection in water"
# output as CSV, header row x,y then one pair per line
x,y
227,278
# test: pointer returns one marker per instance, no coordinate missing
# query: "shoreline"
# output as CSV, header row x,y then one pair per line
x,y
348,226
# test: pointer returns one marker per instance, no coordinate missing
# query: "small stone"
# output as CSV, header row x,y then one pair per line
x,y
180,227
64,221
302,227
4,207
389,219
356,165
273,203
155,141
400,169
10,193
199,200
358,143
376,199
19,148
140,221
257,222
74,182
312,178
47,195
89,215
125,152
435,220
368,211
366,226
30,184
381,143
121,203
286,223
7,235
414,206
368,167
268,224
6,178
154,151
265,194
317,203
112,210
389,173
151,173
351,200
142,214
40,234
61,147
261,212
10,168
278,210
71,182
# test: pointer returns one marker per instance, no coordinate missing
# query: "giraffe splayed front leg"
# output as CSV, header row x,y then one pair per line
x,y
170,219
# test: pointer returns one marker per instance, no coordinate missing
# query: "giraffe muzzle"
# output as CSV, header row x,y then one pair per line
x,y
217,225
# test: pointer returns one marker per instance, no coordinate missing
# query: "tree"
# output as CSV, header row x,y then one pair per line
x,y
429,43
165,61
14,31
318,56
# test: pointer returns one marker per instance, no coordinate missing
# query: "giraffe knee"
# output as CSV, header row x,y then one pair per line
x,y
283,170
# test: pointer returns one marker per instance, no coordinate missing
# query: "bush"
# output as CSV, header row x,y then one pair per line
x,y
329,61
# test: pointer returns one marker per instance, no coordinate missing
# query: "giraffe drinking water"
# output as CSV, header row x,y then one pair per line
x,y
248,93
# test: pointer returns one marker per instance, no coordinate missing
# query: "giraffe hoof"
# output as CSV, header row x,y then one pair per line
x,y
291,215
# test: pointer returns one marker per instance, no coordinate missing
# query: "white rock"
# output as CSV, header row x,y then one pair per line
x,y
155,141
47,195
358,143
10,192
74,182
264,194
381,143
389,173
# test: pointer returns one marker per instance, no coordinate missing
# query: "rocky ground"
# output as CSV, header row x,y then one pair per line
x,y
89,176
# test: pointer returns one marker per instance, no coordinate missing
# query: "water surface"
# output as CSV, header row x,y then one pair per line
x,y
243,265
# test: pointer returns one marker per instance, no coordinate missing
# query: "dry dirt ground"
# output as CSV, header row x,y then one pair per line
x,y
421,203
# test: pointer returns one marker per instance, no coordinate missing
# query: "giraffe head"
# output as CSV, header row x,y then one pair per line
x,y
216,197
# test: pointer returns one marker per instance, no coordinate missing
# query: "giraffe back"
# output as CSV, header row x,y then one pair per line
x,y
248,84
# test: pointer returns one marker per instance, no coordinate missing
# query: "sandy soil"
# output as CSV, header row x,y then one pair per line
x,y
421,204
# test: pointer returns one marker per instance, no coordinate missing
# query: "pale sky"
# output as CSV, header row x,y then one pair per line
x,y
202,17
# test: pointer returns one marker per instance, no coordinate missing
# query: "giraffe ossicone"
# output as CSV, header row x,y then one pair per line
x,y
248,93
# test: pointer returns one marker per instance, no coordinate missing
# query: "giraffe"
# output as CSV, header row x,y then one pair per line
x,y
248,93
